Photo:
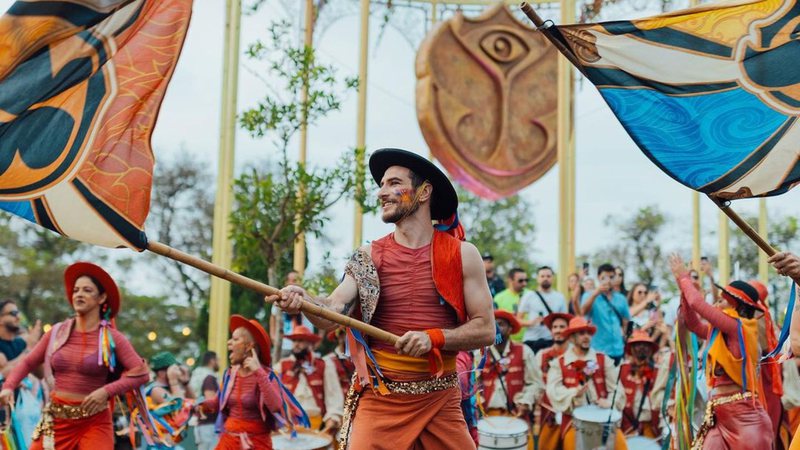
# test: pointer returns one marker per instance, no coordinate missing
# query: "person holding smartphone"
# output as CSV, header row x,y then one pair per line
x,y
608,310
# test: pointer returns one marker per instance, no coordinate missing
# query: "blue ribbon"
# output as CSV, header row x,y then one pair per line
x,y
360,339
744,354
714,334
787,325
286,393
446,228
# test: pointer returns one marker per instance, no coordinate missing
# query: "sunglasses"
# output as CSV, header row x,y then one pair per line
x,y
523,280
14,313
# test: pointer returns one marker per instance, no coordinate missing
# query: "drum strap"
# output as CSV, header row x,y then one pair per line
x,y
509,403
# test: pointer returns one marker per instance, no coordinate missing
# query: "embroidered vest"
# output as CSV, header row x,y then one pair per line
x,y
632,385
514,379
571,377
315,379
344,369
547,356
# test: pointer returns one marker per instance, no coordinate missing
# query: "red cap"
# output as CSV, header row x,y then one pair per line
x,y
512,320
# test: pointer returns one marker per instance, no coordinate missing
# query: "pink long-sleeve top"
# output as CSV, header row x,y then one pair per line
x,y
75,366
694,309
247,393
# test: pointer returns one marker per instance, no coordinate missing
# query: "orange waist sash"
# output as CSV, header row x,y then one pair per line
x,y
403,364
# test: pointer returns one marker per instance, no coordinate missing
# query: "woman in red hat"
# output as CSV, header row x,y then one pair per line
x,y
250,403
86,362
735,417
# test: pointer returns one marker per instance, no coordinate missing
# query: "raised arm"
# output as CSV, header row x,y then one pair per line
x,y
27,364
695,301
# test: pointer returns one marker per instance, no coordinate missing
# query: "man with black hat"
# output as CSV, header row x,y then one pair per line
x,y
496,283
423,283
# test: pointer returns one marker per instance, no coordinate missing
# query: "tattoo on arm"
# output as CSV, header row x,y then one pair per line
x,y
348,307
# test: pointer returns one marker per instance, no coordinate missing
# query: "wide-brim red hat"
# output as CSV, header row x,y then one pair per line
x,y
303,333
739,292
260,337
80,269
548,319
640,336
577,324
511,318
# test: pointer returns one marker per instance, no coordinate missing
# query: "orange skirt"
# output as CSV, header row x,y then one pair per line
x,y
242,434
91,433
407,421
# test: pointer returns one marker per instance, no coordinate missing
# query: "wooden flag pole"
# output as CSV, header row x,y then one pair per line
x,y
725,207
263,289
544,27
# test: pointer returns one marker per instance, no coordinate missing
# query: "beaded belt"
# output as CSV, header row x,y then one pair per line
x,y
52,411
424,386
708,418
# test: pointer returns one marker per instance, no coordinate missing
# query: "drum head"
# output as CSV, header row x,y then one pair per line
x,y
596,414
506,425
642,443
305,440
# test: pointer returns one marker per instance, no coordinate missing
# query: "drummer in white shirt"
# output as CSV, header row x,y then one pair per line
x,y
534,306
581,377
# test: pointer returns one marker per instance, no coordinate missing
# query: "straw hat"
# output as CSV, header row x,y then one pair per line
x,y
577,324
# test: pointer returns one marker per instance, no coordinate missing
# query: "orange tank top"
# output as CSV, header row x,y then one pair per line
x,y
408,298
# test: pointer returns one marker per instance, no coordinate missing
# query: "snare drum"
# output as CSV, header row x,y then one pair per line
x,y
502,432
642,443
305,440
590,421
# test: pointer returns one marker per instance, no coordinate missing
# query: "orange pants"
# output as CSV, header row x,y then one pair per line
x,y
91,433
569,440
550,437
243,433
404,422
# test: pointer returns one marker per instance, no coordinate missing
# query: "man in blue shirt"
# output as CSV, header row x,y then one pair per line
x,y
608,311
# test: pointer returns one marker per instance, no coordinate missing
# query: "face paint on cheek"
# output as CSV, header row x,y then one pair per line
x,y
405,196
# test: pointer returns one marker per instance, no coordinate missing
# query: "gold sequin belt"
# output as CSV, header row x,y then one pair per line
x,y
708,418
62,411
423,386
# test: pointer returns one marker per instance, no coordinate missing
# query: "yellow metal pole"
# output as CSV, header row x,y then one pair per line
x,y
696,230
219,305
361,120
566,160
299,262
695,210
724,263
763,267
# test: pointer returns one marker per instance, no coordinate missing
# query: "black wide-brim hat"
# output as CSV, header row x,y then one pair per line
x,y
445,200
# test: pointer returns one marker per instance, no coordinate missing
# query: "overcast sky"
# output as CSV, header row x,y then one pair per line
x,y
613,176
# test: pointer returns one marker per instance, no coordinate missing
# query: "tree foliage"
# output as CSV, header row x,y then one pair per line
x,y
182,216
276,202
504,228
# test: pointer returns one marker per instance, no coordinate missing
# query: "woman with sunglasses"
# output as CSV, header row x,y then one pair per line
x,y
86,363
735,417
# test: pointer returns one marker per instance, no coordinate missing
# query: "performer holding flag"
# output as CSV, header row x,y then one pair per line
x,y
421,283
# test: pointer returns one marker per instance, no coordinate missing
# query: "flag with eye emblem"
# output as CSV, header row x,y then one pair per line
x,y
710,94
81,83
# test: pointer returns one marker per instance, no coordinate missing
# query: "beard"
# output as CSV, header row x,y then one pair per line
x,y
12,328
302,354
401,212
546,284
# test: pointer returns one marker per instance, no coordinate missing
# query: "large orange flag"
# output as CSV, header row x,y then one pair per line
x,y
81,83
